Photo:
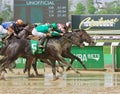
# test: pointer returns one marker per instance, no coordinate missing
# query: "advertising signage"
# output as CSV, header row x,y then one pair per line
x,y
96,22
91,56
34,11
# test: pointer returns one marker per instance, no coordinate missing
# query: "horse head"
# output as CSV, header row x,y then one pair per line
x,y
85,37
27,30
73,38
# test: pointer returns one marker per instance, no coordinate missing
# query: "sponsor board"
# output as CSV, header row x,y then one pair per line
x,y
96,22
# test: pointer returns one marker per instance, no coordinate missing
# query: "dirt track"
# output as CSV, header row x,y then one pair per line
x,y
69,83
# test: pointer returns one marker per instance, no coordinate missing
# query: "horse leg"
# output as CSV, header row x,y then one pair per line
x,y
11,66
25,69
61,67
68,68
34,65
69,65
6,64
54,70
29,62
73,57
79,61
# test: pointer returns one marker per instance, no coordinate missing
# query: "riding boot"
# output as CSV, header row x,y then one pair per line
x,y
41,42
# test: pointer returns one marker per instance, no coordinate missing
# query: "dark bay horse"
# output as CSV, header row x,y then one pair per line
x,y
63,46
25,31
66,49
53,50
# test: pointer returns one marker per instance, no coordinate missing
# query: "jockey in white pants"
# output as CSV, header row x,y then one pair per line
x,y
45,30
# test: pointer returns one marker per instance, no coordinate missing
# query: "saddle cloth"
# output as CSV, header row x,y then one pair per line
x,y
34,47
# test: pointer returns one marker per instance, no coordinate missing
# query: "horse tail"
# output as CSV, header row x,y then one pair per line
x,y
2,51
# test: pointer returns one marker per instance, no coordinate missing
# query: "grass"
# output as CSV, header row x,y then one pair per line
x,y
106,49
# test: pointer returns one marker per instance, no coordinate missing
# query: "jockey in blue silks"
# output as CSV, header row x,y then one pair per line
x,y
13,27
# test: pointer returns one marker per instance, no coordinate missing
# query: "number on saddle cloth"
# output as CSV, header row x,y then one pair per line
x,y
34,47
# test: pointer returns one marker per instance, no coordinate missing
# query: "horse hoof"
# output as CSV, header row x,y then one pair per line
x,y
67,69
61,72
39,75
55,78
3,77
24,71
32,75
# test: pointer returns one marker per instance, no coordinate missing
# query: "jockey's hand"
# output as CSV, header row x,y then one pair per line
x,y
61,34
48,35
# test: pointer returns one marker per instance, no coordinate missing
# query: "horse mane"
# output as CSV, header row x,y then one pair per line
x,y
67,34
27,30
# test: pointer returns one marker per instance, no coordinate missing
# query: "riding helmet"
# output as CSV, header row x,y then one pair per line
x,y
54,25
19,22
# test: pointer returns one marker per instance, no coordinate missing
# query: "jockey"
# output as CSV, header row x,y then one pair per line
x,y
58,27
63,27
45,30
13,27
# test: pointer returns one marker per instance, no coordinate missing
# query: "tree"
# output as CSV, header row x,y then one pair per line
x,y
80,9
111,8
7,14
117,10
1,20
91,8
69,10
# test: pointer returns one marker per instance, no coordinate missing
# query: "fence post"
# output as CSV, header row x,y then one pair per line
x,y
114,58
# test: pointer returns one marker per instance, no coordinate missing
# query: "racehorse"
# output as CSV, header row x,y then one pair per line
x,y
61,47
25,31
53,50
66,49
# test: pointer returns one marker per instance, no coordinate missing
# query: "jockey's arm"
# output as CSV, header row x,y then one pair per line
x,y
59,31
55,33
11,31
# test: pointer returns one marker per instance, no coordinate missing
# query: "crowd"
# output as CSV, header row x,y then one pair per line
x,y
40,30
